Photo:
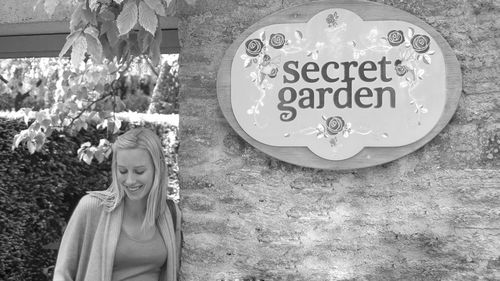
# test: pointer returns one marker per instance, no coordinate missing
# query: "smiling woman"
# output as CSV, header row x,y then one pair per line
x,y
130,231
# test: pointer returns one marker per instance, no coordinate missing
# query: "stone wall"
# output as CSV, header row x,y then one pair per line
x,y
432,215
28,11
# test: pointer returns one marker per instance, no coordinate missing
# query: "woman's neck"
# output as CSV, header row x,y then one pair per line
x,y
135,208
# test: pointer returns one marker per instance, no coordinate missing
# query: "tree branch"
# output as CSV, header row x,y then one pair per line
x,y
88,107
3,79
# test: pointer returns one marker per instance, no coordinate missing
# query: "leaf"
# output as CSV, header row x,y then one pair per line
x,y
118,1
156,6
118,124
427,59
431,52
89,17
133,44
411,31
18,138
50,6
298,35
147,18
78,51
154,50
127,18
103,124
31,146
92,31
105,27
70,40
94,48
112,35
247,63
107,15
87,156
26,112
262,36
76,17
144,39
39,140
99,155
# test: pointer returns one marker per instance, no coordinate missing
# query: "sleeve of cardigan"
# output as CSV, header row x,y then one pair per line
x,y
73,238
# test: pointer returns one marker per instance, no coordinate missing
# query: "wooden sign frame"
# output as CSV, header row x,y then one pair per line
x,y
369,156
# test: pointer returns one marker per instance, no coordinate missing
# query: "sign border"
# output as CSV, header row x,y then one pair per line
x,y
368,156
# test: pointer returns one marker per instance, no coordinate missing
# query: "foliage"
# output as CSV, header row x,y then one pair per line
x,y
106,36
32,82
37,193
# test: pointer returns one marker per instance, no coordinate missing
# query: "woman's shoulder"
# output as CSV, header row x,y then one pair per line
x,y
89,204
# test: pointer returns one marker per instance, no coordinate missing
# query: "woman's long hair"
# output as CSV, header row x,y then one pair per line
x,y
113,196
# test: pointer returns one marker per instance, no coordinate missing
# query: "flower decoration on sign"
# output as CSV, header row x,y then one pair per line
x,y
258,53
400,69
254,47
372,43
277,40
332,127
331,19
420,43
395,37
408,66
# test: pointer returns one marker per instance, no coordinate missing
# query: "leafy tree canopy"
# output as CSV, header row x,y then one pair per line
x,y
106,38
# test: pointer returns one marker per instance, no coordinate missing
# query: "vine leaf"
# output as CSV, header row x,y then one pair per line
x,y
147,18
144,39
263,36
298,35
76,17
107,15
78,51
94,48
92,31
427,59
112,34
156,6
127,18
154,49
50,6
411,31
70,39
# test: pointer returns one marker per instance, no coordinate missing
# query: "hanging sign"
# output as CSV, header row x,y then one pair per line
x,y
339,85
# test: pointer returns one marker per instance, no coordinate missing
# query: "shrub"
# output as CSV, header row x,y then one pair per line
x,y
37,195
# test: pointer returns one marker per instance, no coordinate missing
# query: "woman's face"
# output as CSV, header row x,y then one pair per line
x,y
135,172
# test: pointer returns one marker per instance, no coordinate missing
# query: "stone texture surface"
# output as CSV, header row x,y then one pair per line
x,y
28,11
432,215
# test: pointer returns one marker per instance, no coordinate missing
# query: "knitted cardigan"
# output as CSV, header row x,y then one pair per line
x,y
89,242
